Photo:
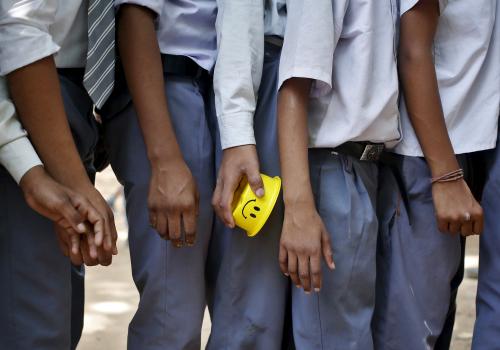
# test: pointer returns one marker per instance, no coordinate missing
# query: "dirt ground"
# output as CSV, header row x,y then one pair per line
x,y
111,297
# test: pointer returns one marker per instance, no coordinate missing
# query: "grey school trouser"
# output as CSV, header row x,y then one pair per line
x,y
339,316
37,310
487,327
170,281
416,262
249,297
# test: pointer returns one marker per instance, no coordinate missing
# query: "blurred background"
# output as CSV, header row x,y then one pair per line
x,y
111,297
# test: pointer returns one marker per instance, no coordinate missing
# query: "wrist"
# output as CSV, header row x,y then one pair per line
x,y
298,200
31,179
443,166
167,164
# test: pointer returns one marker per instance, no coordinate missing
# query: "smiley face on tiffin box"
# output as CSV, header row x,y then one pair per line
x,y
250,212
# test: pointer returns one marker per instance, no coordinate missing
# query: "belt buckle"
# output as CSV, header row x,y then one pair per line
x,y
372,152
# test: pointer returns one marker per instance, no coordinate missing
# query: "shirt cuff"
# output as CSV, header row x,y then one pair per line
x,y
154,5
236,130
18,157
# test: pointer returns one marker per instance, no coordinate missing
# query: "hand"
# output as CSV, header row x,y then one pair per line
x,y
304,239
237,162
454,204
52,200
173,202
73,214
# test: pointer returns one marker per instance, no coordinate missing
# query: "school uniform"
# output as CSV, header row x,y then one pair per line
x,y
38,278
353,114
248,291
417,263
170,281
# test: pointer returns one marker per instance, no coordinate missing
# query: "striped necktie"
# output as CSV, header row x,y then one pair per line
x,y
100,68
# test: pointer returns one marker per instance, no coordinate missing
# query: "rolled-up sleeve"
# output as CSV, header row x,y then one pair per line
x,y
309,43
17,154
24,32
154,5
407,5
238,70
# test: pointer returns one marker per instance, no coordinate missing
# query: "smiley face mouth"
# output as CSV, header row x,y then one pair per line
x,y
251,214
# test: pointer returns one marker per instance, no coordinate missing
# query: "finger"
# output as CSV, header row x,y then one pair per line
x,y
161,226
283,259
71,214
292,269
91,244
231,183
84,249
216,198
104,257
255,182
478,222
467,228
75,255
304,273
454,227
315,266
326,248
189,223
442,226
112,236
89,213
174,230
75,244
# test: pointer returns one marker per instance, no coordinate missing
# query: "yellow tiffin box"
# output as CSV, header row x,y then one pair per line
x,y
250,212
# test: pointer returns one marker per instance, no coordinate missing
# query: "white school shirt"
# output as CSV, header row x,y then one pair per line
x,y
16,152
241,27
467,61
184,28
33,29
352,58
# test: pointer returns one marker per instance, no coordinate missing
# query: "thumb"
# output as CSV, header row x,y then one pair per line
x,y
326,248
255,182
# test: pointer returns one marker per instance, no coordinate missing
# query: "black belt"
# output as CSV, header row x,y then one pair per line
x,y
181,65
364,151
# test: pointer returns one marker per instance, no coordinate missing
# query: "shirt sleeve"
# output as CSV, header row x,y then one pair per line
x,y
238,69
407,5
24,32
154,5
17,154
309,43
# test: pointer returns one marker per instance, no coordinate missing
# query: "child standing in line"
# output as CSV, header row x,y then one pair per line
x,y
449,72
337,111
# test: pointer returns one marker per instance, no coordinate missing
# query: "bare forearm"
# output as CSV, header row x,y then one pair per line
x,y
420,86
36,93
293,141
143,69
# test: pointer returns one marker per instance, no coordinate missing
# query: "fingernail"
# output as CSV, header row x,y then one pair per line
x,y
286,274
297,286
316,290
81,227
260,192
307,292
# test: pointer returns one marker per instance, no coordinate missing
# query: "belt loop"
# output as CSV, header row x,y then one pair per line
x,y
347,163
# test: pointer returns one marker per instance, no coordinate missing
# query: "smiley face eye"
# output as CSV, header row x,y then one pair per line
x,y
256,208
253,215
